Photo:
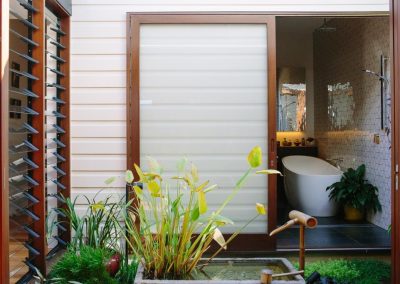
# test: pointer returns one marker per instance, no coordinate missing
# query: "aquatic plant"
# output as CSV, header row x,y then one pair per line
x,y
171,228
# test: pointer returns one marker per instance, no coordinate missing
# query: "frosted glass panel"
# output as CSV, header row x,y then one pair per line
x,y
203,94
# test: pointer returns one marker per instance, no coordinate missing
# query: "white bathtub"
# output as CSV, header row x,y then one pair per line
x,y
306,179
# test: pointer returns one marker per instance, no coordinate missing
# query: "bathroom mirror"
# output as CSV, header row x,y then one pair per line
x,y
291,99
341,106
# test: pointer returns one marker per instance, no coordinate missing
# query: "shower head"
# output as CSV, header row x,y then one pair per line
x,y
325,27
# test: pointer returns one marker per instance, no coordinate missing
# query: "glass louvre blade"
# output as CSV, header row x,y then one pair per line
x,y
61,227
27,6
25,56
21,183
22,201
55,57
21,198
17,264
60,241
59,171
52,161
21,211
58,30
24,92
54,158
17,245
28,262
59,212
59,184
22,110
19,230
59,157
54,42
31,232
52,242
56,196
24,198
23,38
55,129
55,99
54,172
24,74
55,113
23,20
58,72
53,252
21,166
31,249
54,85
25,128
55,144
23,147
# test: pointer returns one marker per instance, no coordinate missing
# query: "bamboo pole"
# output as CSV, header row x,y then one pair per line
x,y
297,217
266,276
301,248
288,274
304,219
287,225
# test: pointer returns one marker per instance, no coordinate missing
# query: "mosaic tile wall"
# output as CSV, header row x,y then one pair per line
x,y
339,58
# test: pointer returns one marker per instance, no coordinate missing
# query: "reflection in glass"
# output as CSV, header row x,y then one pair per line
x,y
340,106
291,99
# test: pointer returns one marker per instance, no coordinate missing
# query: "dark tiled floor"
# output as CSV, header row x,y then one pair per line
x,y
333,235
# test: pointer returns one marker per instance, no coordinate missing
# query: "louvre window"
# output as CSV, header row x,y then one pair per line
x,y
38,136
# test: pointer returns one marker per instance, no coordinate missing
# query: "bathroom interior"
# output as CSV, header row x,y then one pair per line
x,y
333,106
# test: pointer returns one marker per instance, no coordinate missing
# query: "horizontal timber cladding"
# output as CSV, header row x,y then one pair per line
x,y
98,69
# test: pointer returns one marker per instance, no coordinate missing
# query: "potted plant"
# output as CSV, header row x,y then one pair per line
x,y
171,227
355,193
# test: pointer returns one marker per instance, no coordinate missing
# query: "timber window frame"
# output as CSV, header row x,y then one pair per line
x,y
30,169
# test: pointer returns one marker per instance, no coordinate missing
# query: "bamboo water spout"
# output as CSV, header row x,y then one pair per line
x,y
267,276
305,221
297,217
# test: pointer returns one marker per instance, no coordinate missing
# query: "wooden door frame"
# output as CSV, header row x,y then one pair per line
x,y
395,85
4,74
248,242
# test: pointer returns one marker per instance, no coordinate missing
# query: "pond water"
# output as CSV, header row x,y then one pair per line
x,y
237,271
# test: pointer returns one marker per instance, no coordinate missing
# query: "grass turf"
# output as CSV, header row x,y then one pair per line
x,y
355,271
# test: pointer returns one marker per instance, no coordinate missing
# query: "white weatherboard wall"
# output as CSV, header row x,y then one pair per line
x,y
98,74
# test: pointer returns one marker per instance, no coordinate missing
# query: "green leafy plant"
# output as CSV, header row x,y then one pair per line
x,y
127,272
98,230
355,271
98,227
171,228
85,266
354,190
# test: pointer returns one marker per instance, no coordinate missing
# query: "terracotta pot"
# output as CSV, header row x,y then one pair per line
x,y
353,214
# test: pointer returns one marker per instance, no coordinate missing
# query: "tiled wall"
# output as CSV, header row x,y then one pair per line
x,y
339,57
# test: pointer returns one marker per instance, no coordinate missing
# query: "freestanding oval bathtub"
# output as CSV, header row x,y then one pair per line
x,y
306,179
